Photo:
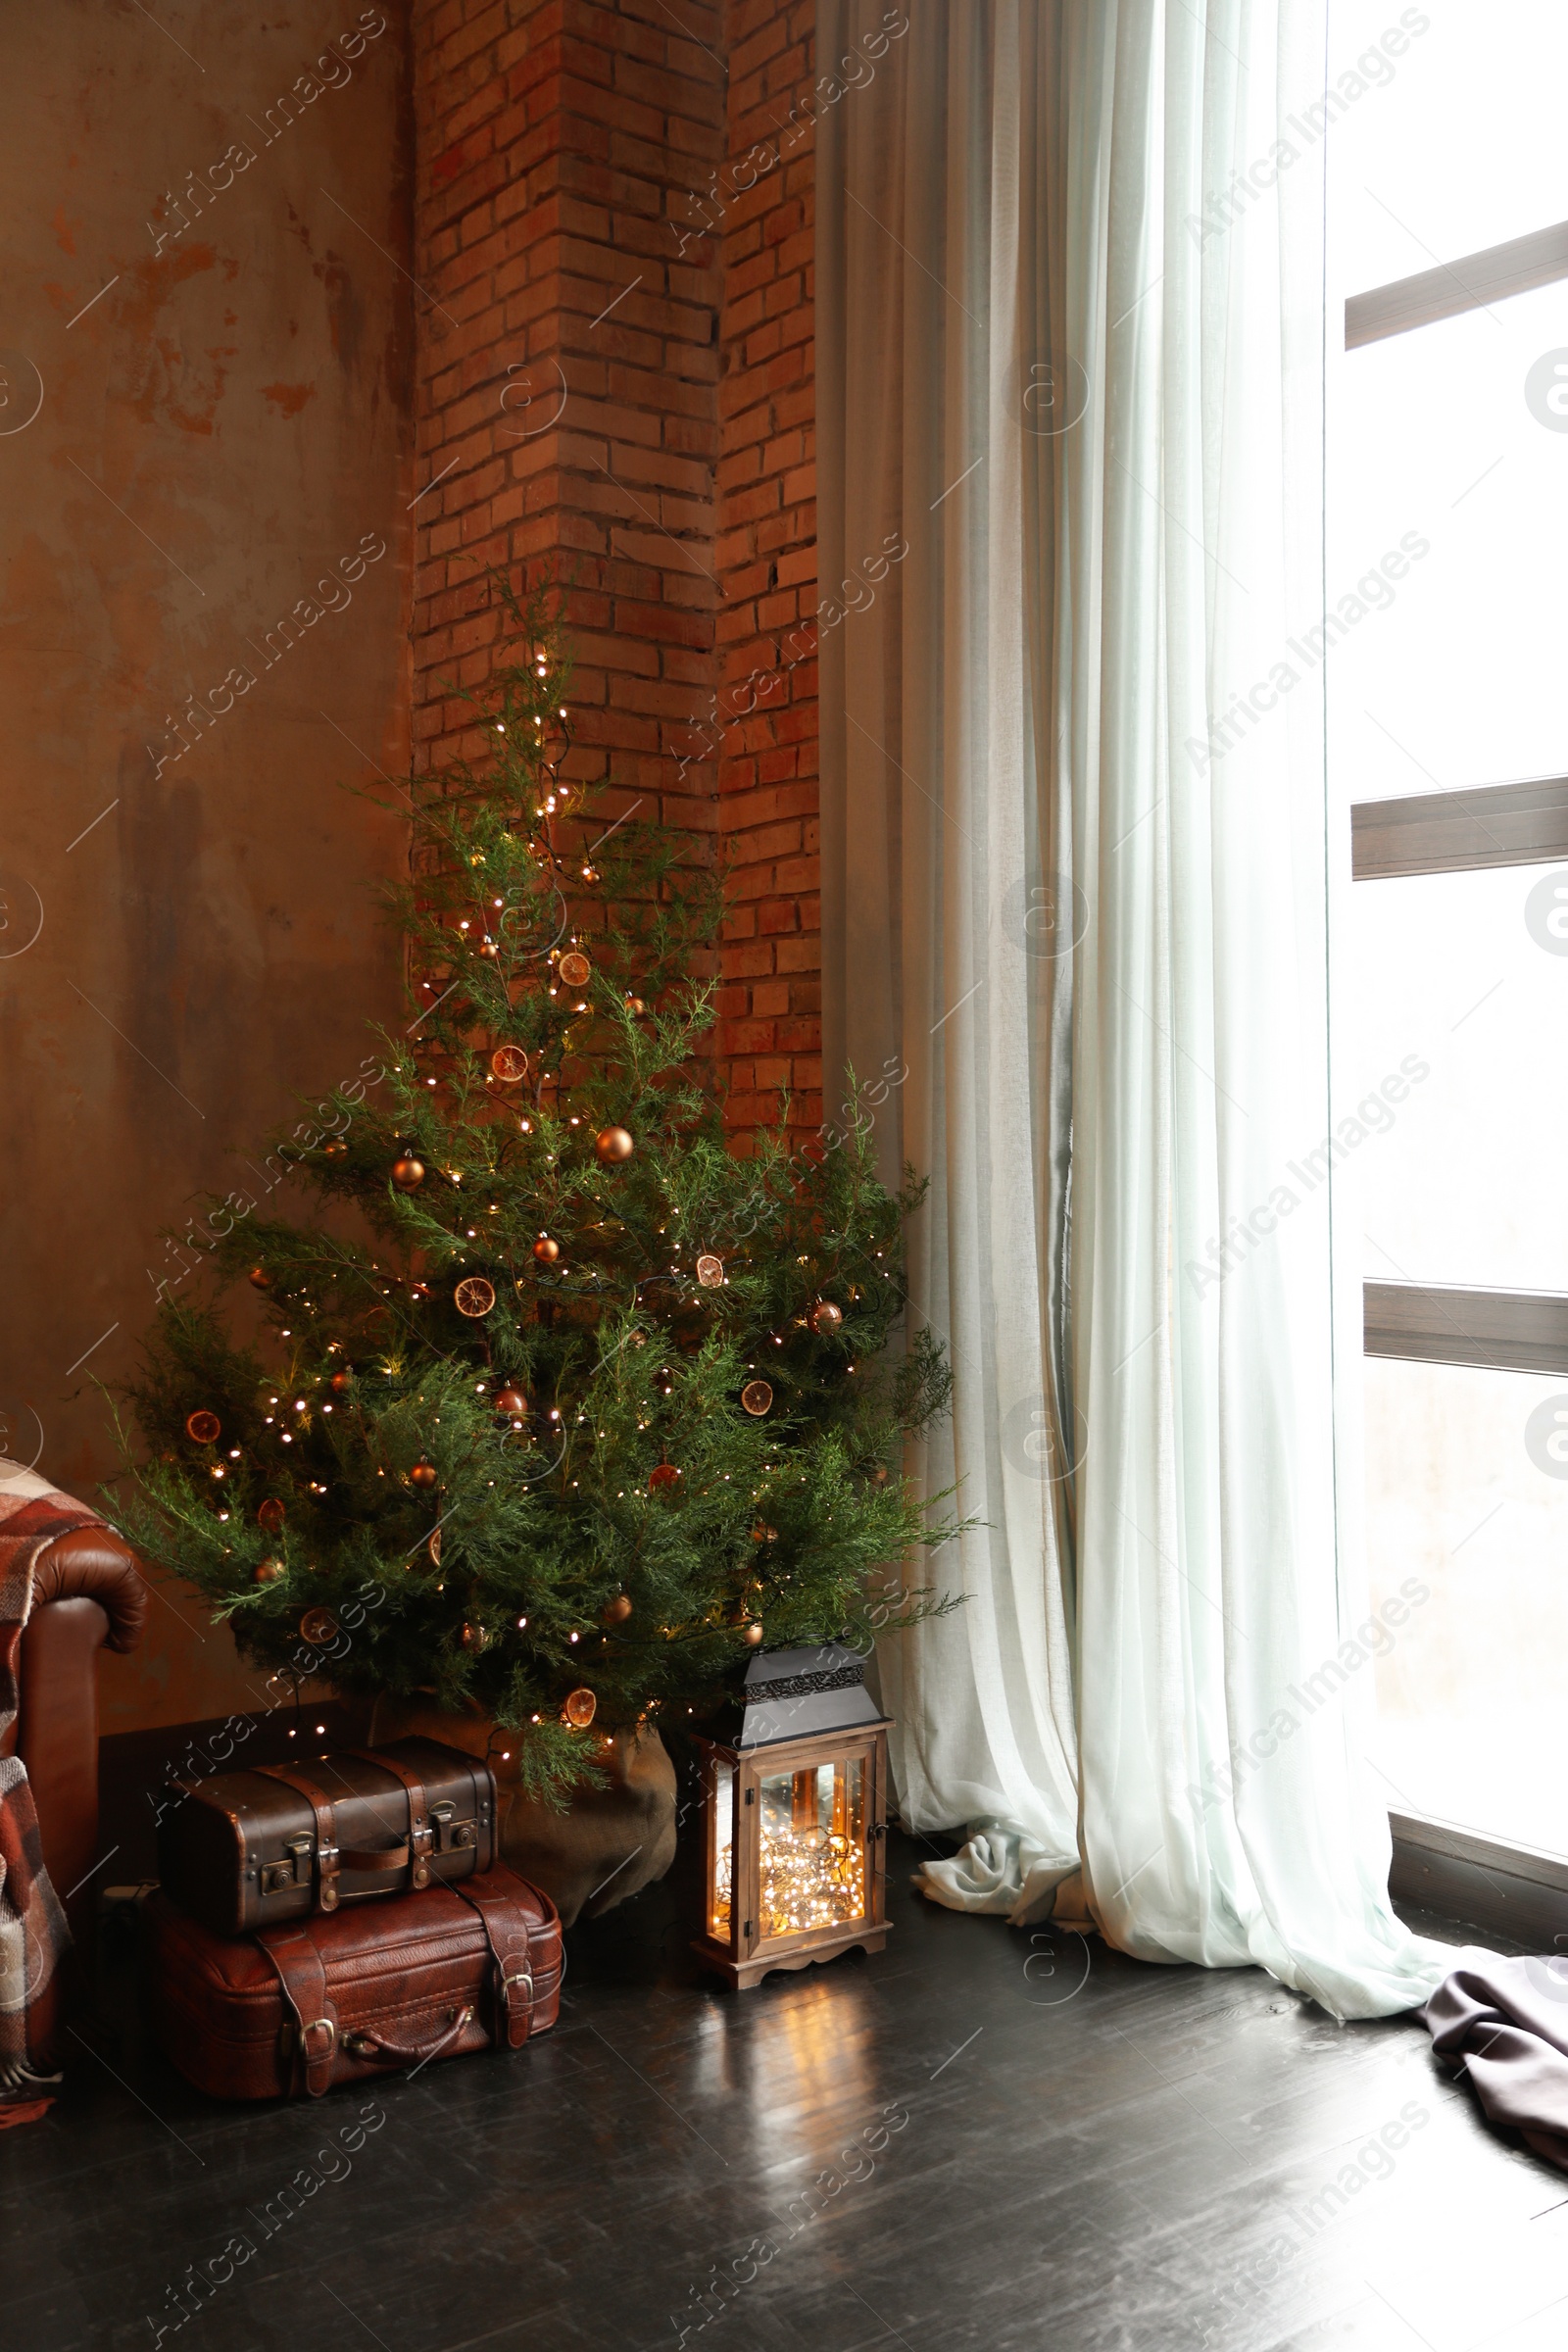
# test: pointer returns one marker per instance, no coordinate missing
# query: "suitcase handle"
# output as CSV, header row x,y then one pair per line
x,y
403,2053
411,1854
419,1833
375,1857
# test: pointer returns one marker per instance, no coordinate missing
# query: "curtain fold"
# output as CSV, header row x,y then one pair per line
x,y
1069,448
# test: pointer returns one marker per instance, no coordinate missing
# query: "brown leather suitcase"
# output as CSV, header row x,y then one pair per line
x,y
279,1842
351,1994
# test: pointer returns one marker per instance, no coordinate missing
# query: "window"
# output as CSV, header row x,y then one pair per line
x,y
1447,714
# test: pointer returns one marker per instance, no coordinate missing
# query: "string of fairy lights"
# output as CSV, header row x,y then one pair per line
x,y
810,1877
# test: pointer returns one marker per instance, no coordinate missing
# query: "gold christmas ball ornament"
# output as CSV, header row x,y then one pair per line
x,y
612,1144
474,1297
205,1428
710,1270
752,1636
341,1383
267,1571
617,1611
509,1063
317,1626
574,968
259,1278
578,1708
475,1637
407,1174
511,1404
546,1250
757,1398
635,1007
424,1474
337,1149
827,1319
663,1477
270,1514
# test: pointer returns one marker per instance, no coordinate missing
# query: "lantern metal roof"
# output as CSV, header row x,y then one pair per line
x,y
795,1694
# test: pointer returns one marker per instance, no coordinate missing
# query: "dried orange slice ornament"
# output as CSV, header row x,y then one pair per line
x,y
509,1063
576,969
473,1295
579,1708
205,1428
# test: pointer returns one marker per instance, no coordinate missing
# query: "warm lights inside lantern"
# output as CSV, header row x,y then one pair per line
x,y
811,1850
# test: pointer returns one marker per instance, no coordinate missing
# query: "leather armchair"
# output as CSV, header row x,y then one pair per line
x,y
88,1591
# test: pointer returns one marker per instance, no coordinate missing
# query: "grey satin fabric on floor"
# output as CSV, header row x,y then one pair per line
x,y
1506,2024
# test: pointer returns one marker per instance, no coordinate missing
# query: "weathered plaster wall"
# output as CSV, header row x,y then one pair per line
x,y
221,430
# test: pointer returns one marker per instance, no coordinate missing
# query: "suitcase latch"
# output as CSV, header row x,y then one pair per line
x,y
276,1877
451,1837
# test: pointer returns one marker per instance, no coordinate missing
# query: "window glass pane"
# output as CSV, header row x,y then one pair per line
x,y
1463,977
1447,130
1467,1494
812,1848
721,1894
1446,592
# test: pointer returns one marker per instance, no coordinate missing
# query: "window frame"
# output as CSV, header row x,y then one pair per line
x,y
1512,1890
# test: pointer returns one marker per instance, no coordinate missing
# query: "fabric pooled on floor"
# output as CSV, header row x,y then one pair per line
x,y
1003,1869
1505,2023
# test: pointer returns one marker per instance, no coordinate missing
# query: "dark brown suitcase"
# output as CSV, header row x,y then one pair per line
x,y
278,1842
351,1994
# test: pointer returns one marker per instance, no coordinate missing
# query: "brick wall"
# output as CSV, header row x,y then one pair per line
x,y
614,372
766,565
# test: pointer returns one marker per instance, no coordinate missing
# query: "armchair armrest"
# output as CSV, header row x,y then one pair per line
x,y
93,1564
87,1591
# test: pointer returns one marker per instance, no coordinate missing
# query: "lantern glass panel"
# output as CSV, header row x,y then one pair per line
x,y
812,1848
721,1894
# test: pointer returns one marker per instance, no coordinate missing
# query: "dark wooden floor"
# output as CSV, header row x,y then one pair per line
x,y
977,2140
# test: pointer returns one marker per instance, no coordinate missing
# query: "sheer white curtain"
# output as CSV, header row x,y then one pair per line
x,y
1070,333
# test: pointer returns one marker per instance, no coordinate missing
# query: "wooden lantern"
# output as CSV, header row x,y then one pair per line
x,y
794,1812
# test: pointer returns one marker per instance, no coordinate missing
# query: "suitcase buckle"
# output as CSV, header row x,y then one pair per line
x,y
318,2025
516,1976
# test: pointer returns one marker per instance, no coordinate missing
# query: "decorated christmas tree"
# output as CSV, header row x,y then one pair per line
x,y
560,1409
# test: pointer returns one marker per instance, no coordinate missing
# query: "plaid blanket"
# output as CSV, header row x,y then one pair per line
x,y
34,1936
